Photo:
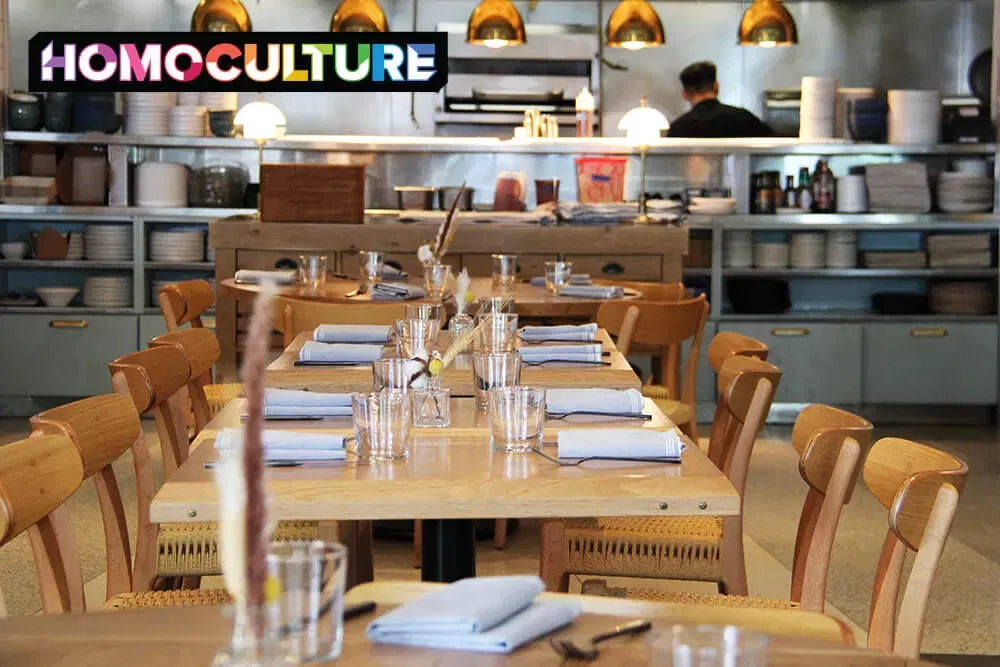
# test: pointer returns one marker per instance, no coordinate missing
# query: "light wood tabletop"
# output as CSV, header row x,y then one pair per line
x,y
191,636
284,374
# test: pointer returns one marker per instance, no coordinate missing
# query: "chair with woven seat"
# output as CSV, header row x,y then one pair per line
x,y
664,325
700,548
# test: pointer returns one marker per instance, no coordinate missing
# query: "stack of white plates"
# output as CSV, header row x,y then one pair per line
x,y
75,251
148,113
738,250
973,165
189,99
817,115
217,101
770,255
914,116
841,250
808,250
186,245
898,188
188,121
109,243
107,291
161,184
712,205
964,192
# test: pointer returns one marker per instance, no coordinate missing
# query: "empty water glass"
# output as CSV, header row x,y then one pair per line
x,y
431,408
708,646
494,369
398,375
504,271
494,304
416,338
498,333
312,271
516,415
557,276
423,311
460,325
308,614
382,422
372,263
436,278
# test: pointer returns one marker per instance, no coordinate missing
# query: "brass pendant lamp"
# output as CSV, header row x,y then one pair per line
x,y
768,23
221,16
634,24
359,16
495,23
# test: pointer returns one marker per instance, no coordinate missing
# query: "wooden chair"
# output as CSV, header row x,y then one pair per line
x,y
831,444
650,291
200,348
700,548
37,477
665,325
293,316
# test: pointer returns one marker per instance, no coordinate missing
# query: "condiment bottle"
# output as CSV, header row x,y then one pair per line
x,y
765,194
824,188
805,191
585,113
790,198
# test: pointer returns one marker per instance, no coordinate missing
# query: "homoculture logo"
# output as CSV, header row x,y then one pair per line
x,y
245,62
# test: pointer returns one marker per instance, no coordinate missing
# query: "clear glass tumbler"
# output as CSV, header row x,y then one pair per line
x,y
708,646
494,304
498,333
436,278
516,415
382,423
372,263
504,271
431,408
494,369
557,276
423,311
397,374
312,271
414,337
308,614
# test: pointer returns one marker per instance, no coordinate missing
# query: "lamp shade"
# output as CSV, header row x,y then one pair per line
x,y
220,16
643,124
634,24
261,121
495,23
359,16
768,23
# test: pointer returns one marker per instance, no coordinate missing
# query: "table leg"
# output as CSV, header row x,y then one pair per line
x,y
449,549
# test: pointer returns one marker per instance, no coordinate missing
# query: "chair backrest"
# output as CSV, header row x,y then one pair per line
x,y
153,378
920,487
37,477
727,344
200,348
831,444
185,302
650,291
103,428
293,316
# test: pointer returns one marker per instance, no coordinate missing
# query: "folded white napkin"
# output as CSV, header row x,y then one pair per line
x,y
487,614
352,333
593,291
296,403
283,277
570,352
565,332
289,445
339,352
611,401
620,443
574,279
397,291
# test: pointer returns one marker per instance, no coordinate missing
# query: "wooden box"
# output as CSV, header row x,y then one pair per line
x,y
312,193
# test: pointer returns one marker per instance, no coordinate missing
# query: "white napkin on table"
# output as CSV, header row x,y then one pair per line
x,y
352,333
339,352
571,332
611,401
283,277
619,443
397,291
297,403
574,279
486,614
555,352
290,445
593,291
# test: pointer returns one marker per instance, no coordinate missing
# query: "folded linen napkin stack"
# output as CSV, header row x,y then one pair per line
x,y
305,404
619,443
569,332
397,291
340,353
606,401
254,277
352,333
485,614
290,446
573,352
593,291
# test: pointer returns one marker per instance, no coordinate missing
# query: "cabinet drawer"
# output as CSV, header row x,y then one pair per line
x,y
931,363
821,363
350,263
62,355
480,265
623,267
264,260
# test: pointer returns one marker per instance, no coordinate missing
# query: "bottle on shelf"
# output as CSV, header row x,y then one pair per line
x,y
585,113
790,197
824,189
805,194
766,200
755,185
776,194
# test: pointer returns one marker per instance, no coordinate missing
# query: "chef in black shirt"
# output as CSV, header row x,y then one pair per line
x,y
709,118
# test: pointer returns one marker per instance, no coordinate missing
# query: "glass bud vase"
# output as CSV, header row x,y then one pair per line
x,y
461,324
245,649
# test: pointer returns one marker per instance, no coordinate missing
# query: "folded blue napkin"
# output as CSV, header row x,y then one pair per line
x,y
254,276
486,614
574,279
340,352
622,443
611,401
297,403
352,333
397,291
570,332
553,352
289,445
593,291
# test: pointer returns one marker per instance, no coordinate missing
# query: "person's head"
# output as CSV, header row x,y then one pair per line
x,y
699,82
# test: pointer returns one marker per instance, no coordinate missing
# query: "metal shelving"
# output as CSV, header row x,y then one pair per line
x,y
850,316
179,266
860,273
62,264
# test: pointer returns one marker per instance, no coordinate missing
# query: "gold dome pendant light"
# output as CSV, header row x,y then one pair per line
x,y
634,24
221,16
768,23
359,16
495,23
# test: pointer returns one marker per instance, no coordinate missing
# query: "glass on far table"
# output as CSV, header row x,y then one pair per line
x,y
708,646
557,276
504,271
494,369
382,422
436,278
431,408
498,333
516,415
372,263
312,271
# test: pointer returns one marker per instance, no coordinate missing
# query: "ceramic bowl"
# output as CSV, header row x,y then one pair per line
x,y
56,297
14,249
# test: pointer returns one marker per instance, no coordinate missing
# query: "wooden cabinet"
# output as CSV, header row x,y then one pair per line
x,y
621,267
350,263
529,266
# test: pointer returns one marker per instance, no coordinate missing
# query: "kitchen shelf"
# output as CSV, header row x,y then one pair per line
x,y
853,221
118,213
67,310
180,266
851,316
860,273
61,264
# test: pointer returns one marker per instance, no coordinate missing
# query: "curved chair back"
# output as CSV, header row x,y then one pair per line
x,y
200,348
293,316
727,344
185,302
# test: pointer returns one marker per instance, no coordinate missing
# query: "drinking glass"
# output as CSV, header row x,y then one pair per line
x,y
308,613
436,280
557,275
515,417
431,408
416,337
397,375
504,271
494,369
423,311
494,304
312,271
498,333
372,262
382,422
708,646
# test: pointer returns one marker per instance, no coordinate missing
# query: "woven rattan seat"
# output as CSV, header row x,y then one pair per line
x,y
220,394
599,587
676,411
200,597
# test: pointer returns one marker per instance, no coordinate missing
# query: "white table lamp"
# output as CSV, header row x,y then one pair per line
x,y
643,126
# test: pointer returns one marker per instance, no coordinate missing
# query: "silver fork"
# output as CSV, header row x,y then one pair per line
x,y
570,651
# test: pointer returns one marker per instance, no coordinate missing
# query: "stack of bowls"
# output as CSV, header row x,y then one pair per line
x,y
148,114
109,243
107,291
770,255
964,192
852,194
841,249
219,101
712,205
189,99
177,245
808,250
159,184
914,117
818,113
738,250
188,121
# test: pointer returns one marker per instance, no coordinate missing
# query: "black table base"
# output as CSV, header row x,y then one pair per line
x,y
449,550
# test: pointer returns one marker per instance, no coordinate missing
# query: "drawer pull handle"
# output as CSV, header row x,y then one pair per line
x,y
68,324
929,333
613,268
790,333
